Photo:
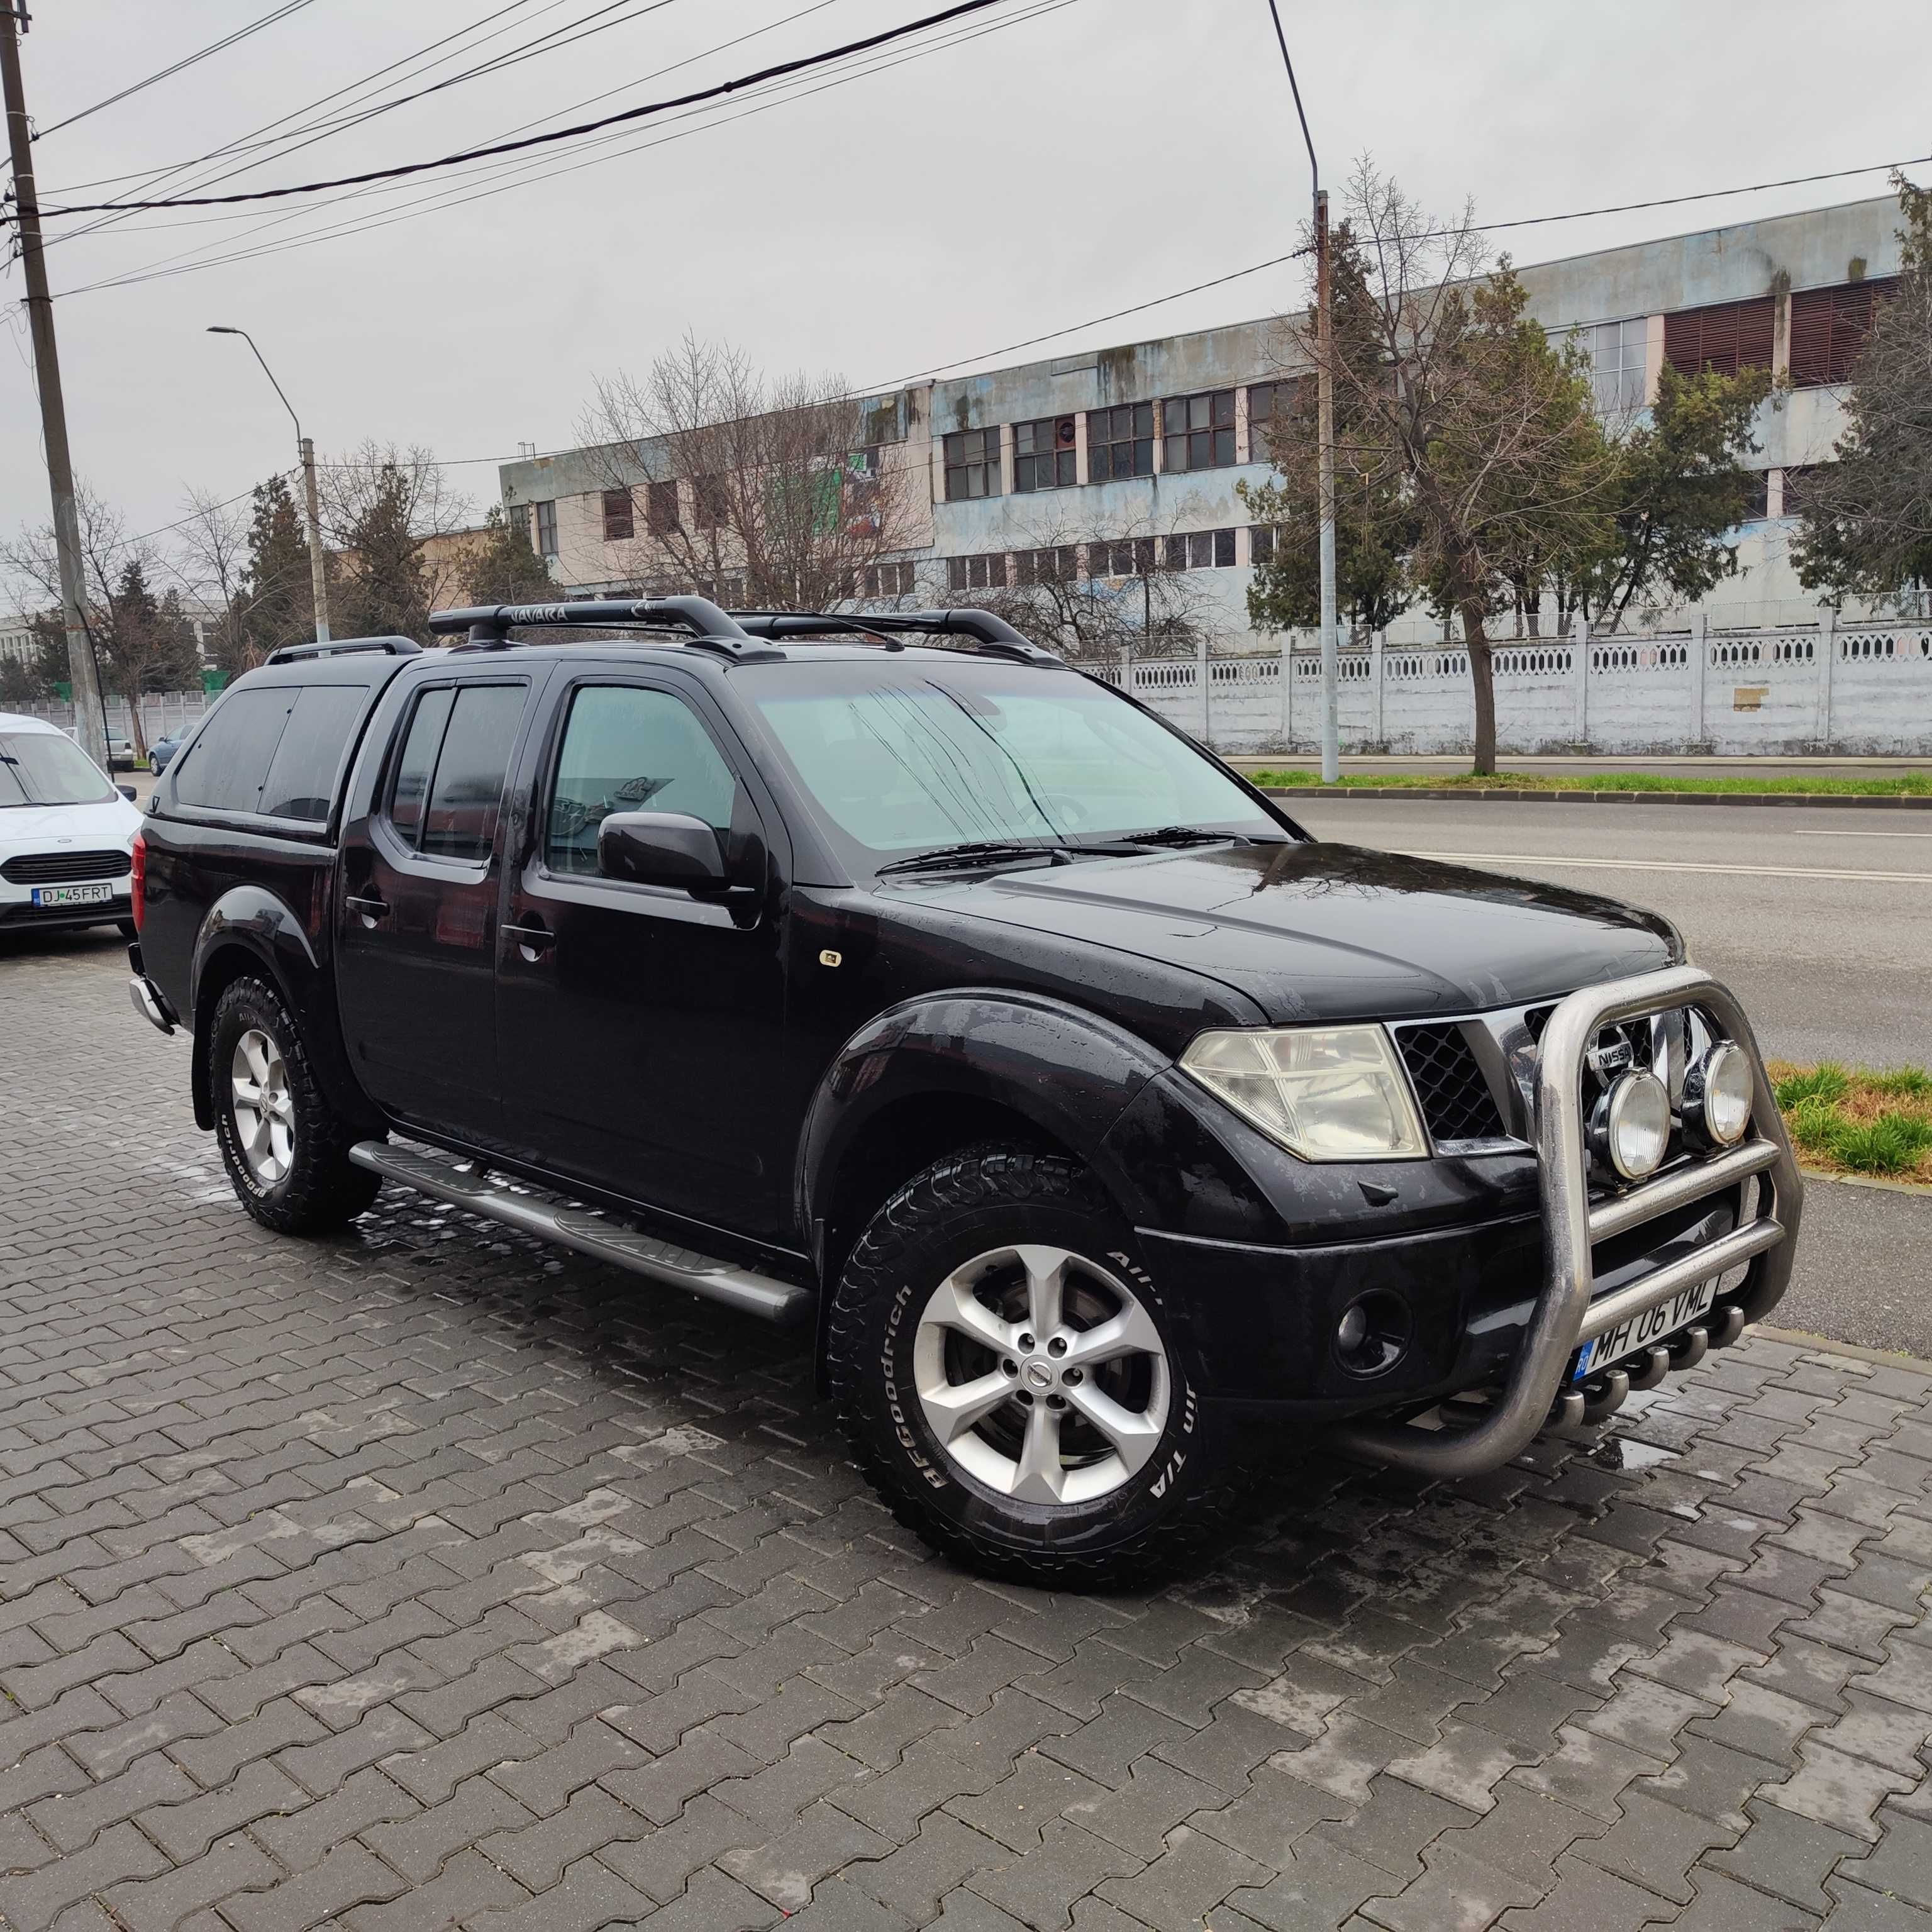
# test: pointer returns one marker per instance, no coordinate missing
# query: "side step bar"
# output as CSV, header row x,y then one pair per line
x,y
597,1235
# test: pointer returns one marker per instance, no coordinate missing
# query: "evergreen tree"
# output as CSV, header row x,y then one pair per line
x,y
502,567
276,604
386,593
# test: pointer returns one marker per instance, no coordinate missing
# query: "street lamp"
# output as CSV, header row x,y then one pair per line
x,y
306,448
1324,391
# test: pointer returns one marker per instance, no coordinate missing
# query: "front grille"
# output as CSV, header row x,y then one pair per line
x,y
64,868
1456,1099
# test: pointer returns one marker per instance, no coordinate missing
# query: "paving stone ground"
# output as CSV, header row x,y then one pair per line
x,y
424,1578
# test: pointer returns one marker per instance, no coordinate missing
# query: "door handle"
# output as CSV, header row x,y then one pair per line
x,y
532,940
370,908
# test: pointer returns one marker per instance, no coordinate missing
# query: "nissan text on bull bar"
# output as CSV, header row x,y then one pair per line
x,y
1106,1134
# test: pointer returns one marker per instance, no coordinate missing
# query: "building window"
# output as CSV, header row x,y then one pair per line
x,y
1121,557
1828,328
1044,457
1120,442
1199,431
620,525
660,509
972,464
1200,549
520,519
711,502
1757,496
887,579
987,571
1616,365
1725,337
1269,406
1261,543
546,529
1061,564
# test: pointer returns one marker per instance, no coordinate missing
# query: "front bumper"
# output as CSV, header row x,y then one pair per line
x,y
1569,1308
1500,1300
22,915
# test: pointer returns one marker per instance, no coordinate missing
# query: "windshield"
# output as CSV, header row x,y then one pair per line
x,y
44,768
910,758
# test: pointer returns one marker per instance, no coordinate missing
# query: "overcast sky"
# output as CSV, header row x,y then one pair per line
x,y
1090,154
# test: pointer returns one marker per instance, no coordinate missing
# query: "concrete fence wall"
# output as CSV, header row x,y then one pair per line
x,y
1859,690
1862,689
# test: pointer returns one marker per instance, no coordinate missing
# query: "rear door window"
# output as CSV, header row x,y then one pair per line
x,y
301,779
222,770
448,792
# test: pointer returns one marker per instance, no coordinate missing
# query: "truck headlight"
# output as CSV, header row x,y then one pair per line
x,y
1717,1097
1630,1129
1323,1093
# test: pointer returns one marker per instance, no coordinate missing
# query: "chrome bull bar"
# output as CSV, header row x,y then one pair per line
x,y
1565,1314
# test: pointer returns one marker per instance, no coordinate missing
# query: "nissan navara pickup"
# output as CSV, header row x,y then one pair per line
x,y
888,975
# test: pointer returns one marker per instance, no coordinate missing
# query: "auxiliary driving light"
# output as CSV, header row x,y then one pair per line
x,y
1630,1129
1717,1097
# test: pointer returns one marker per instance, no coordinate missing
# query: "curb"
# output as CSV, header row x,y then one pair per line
x,y
1892,802
1823,1345
1919,1187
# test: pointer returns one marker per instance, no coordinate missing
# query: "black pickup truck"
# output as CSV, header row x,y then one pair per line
x,y
1107,1126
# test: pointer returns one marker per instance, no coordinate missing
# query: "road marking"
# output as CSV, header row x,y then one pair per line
x,y
1840,831
1672,866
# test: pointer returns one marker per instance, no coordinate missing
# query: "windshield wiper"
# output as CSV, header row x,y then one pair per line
x,y
975,852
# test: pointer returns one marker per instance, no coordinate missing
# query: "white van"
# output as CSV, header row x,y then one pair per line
x,y
67,833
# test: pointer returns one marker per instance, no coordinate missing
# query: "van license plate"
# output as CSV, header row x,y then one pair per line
x,y
67,896
1640,1331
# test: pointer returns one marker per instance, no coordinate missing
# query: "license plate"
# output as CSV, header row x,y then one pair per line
x,y
1640,1331
67,896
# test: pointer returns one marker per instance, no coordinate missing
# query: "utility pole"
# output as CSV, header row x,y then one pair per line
x,y
91,724
1324,391
305,449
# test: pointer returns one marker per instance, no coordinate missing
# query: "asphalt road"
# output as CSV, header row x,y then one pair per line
x,y
1821,921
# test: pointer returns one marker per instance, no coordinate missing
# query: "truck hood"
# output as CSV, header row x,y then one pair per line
x,y
98,826
1314,932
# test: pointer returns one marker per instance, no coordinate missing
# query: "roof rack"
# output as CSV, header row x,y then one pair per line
x,y
991,636
344,647
706,625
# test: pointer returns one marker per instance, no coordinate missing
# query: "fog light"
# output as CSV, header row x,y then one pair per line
x,y
1717,1097
1630,1129
1373,1333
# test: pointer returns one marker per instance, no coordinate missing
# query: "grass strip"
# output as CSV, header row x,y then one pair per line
x,y
1911,785
1852,1119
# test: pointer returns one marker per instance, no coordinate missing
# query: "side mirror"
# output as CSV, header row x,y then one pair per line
x,y
126,792
662,848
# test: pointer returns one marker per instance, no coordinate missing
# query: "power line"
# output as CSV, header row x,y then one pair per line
x,y
754,33
803,64
549,42
167,73
356,90
522,173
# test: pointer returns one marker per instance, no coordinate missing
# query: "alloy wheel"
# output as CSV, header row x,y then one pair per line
x,y
263,1107
1042,1374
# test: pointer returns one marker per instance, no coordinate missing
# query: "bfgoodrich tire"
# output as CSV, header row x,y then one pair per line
x,y
286,1149
1007,1372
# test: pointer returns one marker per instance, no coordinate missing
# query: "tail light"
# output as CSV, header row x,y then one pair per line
x,y
138,882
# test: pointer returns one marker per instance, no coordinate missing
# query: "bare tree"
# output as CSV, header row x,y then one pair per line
x,y
779,492
1101,592
212,563
131,645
